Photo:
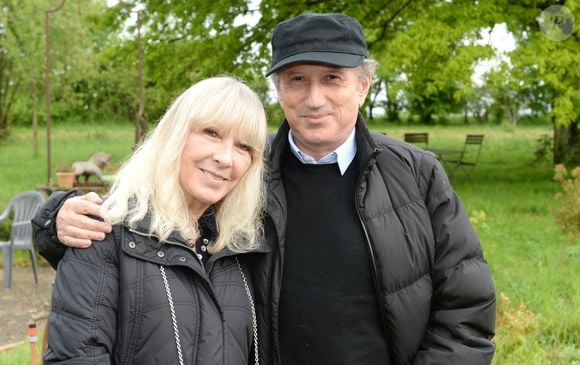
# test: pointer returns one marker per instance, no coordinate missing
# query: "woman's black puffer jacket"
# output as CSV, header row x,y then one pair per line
x,y
127,299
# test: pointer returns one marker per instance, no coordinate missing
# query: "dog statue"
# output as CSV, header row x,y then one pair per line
x,y
94,166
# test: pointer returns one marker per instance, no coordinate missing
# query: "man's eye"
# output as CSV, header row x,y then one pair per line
x,y
296,78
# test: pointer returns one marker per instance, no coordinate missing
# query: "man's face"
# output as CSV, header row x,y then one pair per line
x,y
321,104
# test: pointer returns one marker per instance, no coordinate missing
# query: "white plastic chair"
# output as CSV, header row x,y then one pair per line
x,y
24,206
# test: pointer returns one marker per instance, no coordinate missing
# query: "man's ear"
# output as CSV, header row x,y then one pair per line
x,y
364,87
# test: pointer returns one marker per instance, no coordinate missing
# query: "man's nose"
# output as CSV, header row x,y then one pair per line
x,y
315,96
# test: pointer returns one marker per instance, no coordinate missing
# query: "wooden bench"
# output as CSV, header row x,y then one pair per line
x,y
419,139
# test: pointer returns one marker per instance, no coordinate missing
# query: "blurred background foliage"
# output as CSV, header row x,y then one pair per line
x,y
428,53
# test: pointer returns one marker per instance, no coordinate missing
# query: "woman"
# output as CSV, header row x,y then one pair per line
x,y
167,286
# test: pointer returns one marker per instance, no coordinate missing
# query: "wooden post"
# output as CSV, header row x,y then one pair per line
x,y
141,119
47,92
34,118
33,338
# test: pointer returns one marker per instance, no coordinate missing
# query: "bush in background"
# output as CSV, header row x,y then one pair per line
x,y
568,216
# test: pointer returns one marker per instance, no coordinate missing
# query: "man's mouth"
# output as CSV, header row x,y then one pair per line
x,y
316,116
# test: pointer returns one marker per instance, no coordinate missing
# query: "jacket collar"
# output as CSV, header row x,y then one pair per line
x,y
207,227
366,146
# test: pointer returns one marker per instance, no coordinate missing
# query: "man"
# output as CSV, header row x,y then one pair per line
x,y
372,258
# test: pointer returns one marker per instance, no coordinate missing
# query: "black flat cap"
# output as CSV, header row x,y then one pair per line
x,y
330,39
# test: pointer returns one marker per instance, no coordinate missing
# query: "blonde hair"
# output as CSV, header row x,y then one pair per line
x,y
148,183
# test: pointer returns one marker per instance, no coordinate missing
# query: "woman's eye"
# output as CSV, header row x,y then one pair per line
x,y
244,147
211,132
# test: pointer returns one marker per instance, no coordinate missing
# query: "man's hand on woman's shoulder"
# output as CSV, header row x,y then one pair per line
x,y
76,224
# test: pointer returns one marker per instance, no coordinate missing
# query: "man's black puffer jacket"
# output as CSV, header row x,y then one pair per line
x,y
111,304
433,284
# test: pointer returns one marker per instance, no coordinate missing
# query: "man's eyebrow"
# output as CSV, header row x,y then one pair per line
x,y
335,69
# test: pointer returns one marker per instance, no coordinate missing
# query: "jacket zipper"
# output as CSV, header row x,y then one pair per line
x,y
377,279
279,237
205,281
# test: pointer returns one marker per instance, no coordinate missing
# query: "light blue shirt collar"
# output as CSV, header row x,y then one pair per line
x,y
343,155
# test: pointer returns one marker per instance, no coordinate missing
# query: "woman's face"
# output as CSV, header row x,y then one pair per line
x,y
212,163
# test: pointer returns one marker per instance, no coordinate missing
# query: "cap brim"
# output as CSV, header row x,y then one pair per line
x,y
325,58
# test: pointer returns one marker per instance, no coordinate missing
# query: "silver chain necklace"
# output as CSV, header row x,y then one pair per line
x,y
174,319
254,320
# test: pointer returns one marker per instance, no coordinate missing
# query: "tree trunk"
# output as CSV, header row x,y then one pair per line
x,y
376,90
34,118
140,127
513,112
567,145
392,111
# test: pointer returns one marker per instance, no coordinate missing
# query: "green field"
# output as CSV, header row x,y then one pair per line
x,y
510,199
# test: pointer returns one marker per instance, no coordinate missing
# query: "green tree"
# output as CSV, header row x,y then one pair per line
x,y
189,40
434,55
555,65
23,51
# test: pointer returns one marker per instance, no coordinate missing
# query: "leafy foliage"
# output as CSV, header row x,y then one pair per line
x,y
544,148
568,216
435,54
73,38
426,51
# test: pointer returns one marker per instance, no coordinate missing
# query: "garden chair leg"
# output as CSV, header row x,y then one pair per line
x,y
33,259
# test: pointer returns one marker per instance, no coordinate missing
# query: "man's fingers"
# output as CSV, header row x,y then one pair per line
x,y
80,205
76,224
81,233
93,197
89,224
83,227
74,242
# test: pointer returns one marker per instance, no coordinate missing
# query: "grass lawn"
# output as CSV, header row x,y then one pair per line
x,y
510,200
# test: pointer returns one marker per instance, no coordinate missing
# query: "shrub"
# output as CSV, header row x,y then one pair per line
x,y
5,229
516,323
477,218
568,216
544,149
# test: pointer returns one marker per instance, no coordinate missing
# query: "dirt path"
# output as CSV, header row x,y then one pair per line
x,y
25,303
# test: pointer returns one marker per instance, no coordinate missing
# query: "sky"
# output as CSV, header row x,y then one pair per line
x,y
502,41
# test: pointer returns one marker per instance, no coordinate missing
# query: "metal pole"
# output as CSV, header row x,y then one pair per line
x,y
47,91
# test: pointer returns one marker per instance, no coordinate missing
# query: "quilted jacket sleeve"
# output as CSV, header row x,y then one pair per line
x,y
82,321
44,227
462,320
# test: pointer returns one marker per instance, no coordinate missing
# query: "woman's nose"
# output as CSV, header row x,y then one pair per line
x,y
223,153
